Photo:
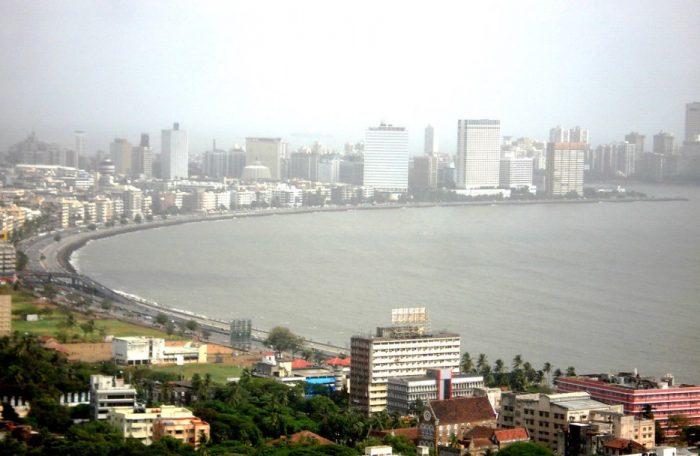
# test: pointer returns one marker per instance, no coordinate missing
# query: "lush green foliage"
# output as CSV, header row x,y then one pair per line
x,y
525,449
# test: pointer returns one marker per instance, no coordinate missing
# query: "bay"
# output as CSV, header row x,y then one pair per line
x,y
602,287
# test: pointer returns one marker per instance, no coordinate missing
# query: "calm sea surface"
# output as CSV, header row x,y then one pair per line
x,y
597,286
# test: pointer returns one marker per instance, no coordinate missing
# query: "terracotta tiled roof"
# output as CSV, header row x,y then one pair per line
x,y
300,364
479,432
622,444
339,361
511,435
463,410
481,442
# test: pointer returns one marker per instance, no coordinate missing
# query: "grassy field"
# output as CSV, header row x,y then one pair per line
x,y
52,323
219,372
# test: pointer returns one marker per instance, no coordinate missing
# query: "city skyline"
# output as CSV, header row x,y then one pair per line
x,y
311,79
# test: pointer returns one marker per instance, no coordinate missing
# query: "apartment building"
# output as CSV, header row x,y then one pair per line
x,y
147,424
107,392
437,384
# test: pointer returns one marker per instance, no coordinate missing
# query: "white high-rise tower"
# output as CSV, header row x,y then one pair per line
x,y
174,153
386,158
478,153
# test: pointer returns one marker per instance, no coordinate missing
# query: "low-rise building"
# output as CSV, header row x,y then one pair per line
x,y
437,384
444,421
5,315
482,440
639,395
141,423
153,350
545,415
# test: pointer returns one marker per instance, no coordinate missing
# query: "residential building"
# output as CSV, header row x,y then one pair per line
x,y
638,141
663,143
578,135
386,158
692,121
408,348
431,141
559,135
215,163
639,394
8,258
5,315
140,423
478,153
107,392
304,165
443,421
544,415
516,173
626,159
187,429
120,152
267,152
483,440
437,384
142,158
174,153
133,199
565,168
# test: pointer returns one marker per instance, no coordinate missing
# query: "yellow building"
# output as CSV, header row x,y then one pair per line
x,y
138,423
5,315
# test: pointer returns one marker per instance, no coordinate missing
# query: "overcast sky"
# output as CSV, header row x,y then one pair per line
x,y
327,70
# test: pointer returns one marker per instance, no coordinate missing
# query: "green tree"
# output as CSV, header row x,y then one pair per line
x,y
192,325
282,339
525,449
106,304
169,328
570,371
517,362
482,363
467,365
161,319
57,237
547,368
47,413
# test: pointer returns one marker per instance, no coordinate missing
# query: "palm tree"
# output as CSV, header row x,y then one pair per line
x,y
547,368
467,364
498,370
517,362
482,363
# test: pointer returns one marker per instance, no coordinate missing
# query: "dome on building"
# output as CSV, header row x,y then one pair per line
x,y
256,172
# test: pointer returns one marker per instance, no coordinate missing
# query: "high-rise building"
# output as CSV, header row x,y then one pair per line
x,y
663,143
478,153
425,172
516,173
268,152
174,153
79,149
386,158
626,159
565,168
692,121
559,135
578,135
638,141
407,348
431,141
304,165
142,158
120,151
215,162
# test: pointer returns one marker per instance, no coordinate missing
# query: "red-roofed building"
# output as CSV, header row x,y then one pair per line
x,y
442,419
338,362
412,433
617,447
300,364
481,439
50,343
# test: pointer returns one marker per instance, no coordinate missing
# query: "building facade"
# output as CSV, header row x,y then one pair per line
x,y
386,158
692,121
174,157
545,415
147,424
565,168
431,141
637,395
478,153
107,392
437,384
268,152
516,173
375,359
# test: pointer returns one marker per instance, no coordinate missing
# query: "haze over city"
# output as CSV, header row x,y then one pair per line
x,y
324,71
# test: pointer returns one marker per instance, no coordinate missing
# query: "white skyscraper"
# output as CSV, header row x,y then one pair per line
x,y
692,121
174,153
478,153
386,158
431,140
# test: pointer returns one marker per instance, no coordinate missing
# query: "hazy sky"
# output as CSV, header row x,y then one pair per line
x,y
326,70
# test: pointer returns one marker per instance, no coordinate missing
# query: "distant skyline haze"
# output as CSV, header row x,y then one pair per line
x,y
323,70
